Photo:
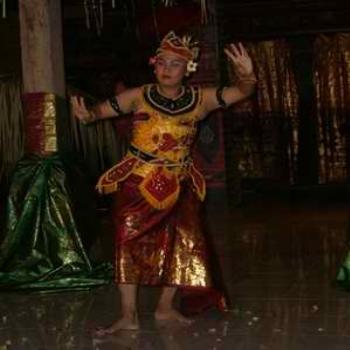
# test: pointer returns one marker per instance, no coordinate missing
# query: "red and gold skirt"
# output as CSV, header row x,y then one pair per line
x,y
163,247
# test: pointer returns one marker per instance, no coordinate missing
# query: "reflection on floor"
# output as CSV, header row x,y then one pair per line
x,y
279,261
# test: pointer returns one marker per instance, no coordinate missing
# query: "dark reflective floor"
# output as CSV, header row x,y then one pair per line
x,y
279,262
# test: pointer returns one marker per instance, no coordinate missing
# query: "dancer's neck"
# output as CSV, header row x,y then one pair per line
x,y
171,92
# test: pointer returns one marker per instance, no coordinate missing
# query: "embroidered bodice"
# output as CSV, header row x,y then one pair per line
x,y
165,127
163,133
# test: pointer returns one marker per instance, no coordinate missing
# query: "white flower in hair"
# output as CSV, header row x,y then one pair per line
x,y
191,66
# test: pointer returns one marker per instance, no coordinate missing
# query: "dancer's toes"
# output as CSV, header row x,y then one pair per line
x,y
172,315
124,323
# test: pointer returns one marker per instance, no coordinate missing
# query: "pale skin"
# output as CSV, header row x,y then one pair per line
x,y
170,71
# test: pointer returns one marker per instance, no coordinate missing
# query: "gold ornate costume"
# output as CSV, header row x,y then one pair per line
x,y
159,235
163,133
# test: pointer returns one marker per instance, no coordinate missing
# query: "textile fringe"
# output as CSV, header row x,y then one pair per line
x,y
108,182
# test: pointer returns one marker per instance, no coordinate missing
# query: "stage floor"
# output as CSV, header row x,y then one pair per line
x,y
279,262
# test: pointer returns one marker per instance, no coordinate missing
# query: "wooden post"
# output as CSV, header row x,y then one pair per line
x,y
41,45
43,73
50,182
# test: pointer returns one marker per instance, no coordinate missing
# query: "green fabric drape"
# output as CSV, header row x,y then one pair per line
x,y
42,248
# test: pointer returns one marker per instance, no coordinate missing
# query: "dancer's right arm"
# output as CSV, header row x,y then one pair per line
x,y
124,103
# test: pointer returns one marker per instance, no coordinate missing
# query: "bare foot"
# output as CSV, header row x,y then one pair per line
x,y
172,315
125,323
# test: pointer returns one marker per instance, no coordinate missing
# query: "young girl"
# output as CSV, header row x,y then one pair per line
x,y
159,239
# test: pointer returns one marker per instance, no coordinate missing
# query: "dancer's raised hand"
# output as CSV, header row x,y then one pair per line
x,y
241,60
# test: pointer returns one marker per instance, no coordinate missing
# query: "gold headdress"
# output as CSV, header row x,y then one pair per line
x,y
183,47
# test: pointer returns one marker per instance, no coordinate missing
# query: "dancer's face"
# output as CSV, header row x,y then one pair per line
x,y
170,69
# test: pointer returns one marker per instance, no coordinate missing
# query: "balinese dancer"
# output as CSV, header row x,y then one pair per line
x,y
159,239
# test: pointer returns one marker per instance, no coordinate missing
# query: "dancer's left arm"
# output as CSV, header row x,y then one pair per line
x,y
246,80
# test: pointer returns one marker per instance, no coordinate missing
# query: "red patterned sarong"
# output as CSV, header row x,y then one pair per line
x,y
163,247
